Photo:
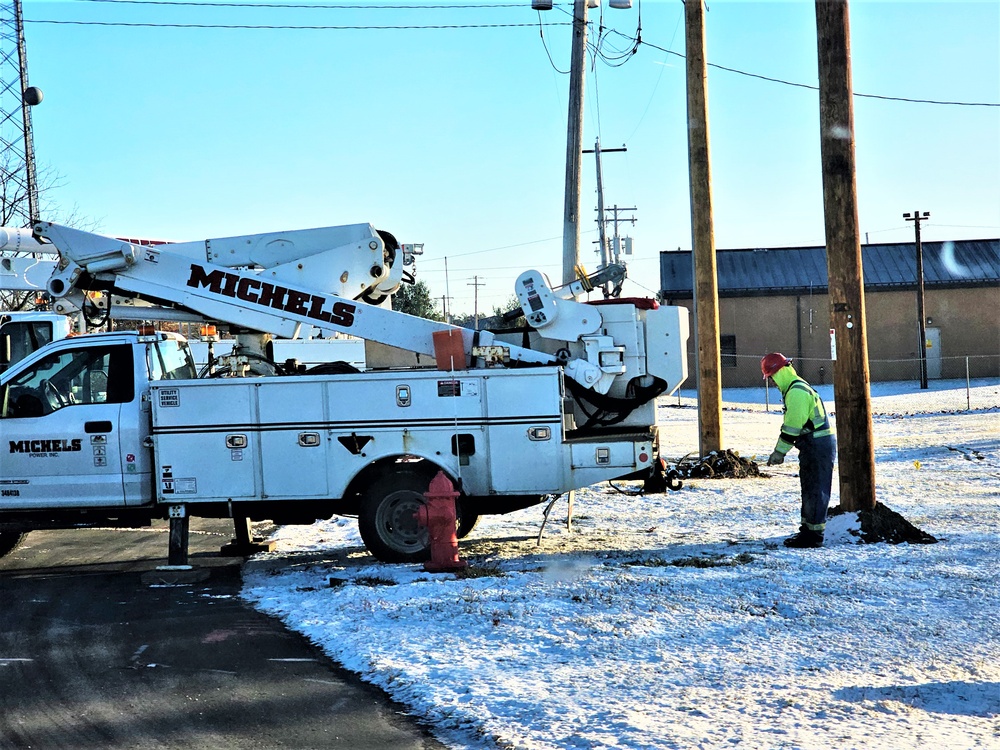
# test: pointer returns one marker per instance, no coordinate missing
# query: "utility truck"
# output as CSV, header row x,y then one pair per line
x,y
117,429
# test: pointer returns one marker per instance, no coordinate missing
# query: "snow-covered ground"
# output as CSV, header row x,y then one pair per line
x,y
679,620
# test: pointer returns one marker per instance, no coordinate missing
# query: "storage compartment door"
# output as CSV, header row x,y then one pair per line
x,y
527,455
294,440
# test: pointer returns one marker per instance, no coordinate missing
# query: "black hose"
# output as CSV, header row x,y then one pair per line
x,y
609,410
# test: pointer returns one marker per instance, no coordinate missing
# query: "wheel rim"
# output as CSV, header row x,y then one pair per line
x,y
396,523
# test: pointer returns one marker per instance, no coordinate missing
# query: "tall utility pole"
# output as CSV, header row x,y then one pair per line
x,y
602,233
851,379
574,145
706,285
921,319
601,223
476,283
447,287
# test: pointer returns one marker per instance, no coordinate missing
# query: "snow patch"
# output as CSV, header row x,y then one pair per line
x,y
679,620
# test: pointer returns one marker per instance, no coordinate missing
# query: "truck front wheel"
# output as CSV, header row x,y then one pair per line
x,y
9,541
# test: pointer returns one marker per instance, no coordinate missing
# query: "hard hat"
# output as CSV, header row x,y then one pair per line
x,y
773,362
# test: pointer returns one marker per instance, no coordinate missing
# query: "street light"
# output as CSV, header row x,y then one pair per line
x,y
916,217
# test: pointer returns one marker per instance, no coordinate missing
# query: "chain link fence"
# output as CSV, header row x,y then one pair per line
x,y
969,383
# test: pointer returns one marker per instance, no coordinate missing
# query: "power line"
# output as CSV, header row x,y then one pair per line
x,y
636,40
309,7
816,88
538,266
271,27
494,249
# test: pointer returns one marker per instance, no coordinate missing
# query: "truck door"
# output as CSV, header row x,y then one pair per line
x,y
60,428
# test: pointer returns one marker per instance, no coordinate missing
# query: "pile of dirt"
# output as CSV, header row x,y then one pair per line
x,y
883,524
724,464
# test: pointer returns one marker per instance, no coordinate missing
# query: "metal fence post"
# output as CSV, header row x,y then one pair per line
x,y
968,387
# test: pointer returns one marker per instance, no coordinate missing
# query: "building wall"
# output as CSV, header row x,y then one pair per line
x,y
967,320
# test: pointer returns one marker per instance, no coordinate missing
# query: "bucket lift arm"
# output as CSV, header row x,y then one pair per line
x,y
279,283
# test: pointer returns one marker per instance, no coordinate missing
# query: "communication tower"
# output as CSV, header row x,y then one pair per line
x,y
18,185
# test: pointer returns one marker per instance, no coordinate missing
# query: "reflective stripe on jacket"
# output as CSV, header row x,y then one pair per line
x,y
805,414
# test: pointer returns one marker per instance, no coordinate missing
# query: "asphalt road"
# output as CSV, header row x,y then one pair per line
x,y
95,652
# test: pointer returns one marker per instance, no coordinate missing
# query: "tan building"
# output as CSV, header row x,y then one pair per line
x,y
776,300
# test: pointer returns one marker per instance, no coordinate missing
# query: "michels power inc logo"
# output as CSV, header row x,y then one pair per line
x,y
316,306
55,445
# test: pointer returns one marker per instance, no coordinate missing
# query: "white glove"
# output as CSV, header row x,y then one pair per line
x,y
776,458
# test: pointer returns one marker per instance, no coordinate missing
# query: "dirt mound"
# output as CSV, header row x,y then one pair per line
x,y
717,464
883,524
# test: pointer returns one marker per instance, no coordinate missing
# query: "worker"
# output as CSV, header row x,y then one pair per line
x,y
806,426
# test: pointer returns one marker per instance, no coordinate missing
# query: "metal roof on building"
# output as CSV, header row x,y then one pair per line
x,y
782,271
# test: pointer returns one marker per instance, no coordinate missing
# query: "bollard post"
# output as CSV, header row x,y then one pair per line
x,y
177,553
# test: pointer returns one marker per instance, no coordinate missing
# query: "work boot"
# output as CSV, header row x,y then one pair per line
x,y
805,539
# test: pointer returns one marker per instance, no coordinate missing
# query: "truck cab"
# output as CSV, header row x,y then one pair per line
x,y
74,423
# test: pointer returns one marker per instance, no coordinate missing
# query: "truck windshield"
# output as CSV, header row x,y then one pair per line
x,y
170,359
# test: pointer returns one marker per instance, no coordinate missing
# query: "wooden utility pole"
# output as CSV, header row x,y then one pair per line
x,y
475,283
601,222
706,285
851,379
574,145
921,320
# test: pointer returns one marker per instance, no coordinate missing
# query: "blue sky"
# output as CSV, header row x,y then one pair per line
x,y
456,137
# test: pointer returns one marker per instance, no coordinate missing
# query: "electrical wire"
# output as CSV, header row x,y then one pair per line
x,y
816,88
277,27
307,7
545,46
424,261
659,77
615,61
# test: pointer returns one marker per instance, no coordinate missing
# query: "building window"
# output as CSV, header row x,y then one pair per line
x,y
727,350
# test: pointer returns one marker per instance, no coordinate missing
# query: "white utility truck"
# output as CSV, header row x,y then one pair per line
x,y
116,428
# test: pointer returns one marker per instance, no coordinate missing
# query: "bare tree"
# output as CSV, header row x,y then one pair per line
x,y
13,199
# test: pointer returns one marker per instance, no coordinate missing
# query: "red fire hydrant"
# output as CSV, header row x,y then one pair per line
x,y
438,515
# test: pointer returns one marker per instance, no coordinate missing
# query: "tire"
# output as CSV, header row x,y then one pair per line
x,y
9,541
385,519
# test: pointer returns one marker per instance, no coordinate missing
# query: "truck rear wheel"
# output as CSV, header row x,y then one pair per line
x,y
386,522
9,541
386,517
